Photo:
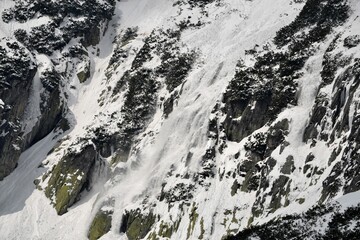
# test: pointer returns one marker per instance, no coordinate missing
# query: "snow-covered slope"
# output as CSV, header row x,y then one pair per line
x,y
182,119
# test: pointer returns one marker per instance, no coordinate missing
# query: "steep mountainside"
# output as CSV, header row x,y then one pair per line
x,y
187,119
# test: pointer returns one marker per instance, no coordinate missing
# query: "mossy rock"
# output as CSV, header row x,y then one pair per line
x,y
202,230
137,225
165,230
100,225
193,219
84,74
69,177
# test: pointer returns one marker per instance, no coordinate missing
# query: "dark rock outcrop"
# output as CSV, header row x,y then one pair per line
x,y
16,75
17,69
54,35
137,225
337,224
257,94
51,107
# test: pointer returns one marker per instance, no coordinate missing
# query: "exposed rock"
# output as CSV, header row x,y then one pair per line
x,y
137,225
69,178
331,185
167,231
288,167
52,108
235,187
309,158
258,93
280,190
311,131
121,52
352,41
84,74
180,193
144,54
129,34
139,106
251,119
196,3
256,145
16,75
20,71
100,225
169,103
276,135
175,68
193,216
54,35
351,158
337,224
244,150
92,36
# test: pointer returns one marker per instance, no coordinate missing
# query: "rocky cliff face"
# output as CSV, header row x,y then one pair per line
x,y
219,119
17,72
26,86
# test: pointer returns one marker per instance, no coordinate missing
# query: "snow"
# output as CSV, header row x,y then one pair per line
x,y
349,200
33,113
7,30
230,29
186,128
19,195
